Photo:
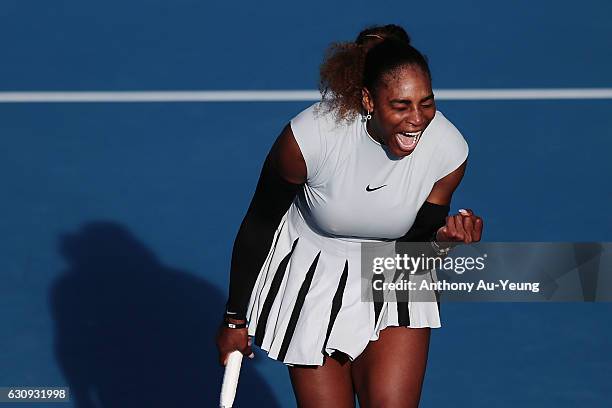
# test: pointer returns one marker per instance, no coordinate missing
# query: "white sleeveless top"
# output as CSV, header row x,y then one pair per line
x,y
355,189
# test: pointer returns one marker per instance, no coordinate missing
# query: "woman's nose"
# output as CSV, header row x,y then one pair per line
x,y
416,118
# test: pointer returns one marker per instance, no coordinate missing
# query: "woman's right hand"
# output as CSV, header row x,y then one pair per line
x,y
229,340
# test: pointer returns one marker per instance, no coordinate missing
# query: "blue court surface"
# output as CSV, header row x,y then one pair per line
x,y
118,219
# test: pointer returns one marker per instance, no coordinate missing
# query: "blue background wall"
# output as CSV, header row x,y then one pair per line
x,y
118,219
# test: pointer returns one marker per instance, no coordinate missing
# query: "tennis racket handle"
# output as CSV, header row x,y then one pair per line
x,y
230,379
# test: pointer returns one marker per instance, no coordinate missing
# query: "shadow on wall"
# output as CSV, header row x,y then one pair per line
x,y
131,332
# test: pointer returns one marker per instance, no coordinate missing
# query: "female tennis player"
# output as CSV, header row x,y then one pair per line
x,y
372,162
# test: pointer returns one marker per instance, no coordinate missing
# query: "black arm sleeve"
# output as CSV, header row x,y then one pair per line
x,y
430,218
272,198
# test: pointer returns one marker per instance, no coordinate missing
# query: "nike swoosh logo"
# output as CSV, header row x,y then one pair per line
x,y
374,189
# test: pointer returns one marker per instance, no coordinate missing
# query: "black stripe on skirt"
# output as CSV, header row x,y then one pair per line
x,y
437,293
274,287
268,269
403,313
295,314
377,296
336,304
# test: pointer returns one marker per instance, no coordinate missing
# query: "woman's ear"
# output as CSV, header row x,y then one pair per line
x,y
367,102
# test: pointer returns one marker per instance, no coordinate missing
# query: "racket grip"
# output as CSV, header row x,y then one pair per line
x,y
230,379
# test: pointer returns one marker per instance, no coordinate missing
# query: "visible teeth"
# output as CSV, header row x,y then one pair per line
x,y
413,139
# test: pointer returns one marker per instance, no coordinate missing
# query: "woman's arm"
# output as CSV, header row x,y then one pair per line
x,y
433,213
443,189
463,227
283,173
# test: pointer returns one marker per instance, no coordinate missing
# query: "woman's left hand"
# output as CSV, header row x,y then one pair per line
x,y
465,227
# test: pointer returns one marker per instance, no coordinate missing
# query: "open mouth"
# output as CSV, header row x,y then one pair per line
x,y
407,141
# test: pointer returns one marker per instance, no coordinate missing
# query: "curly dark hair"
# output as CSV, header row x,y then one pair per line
x,y
349,66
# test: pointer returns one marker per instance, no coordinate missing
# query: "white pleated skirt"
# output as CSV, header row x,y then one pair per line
x,y
307,301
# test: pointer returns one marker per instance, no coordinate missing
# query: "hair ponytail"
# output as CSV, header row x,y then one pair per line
x,y
341,79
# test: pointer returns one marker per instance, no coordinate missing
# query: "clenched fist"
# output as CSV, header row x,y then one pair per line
x,y
464,227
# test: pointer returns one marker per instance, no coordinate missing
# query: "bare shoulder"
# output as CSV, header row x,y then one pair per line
x,y
287,157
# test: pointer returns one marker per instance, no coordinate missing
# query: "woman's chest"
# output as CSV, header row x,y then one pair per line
x,y
368,195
